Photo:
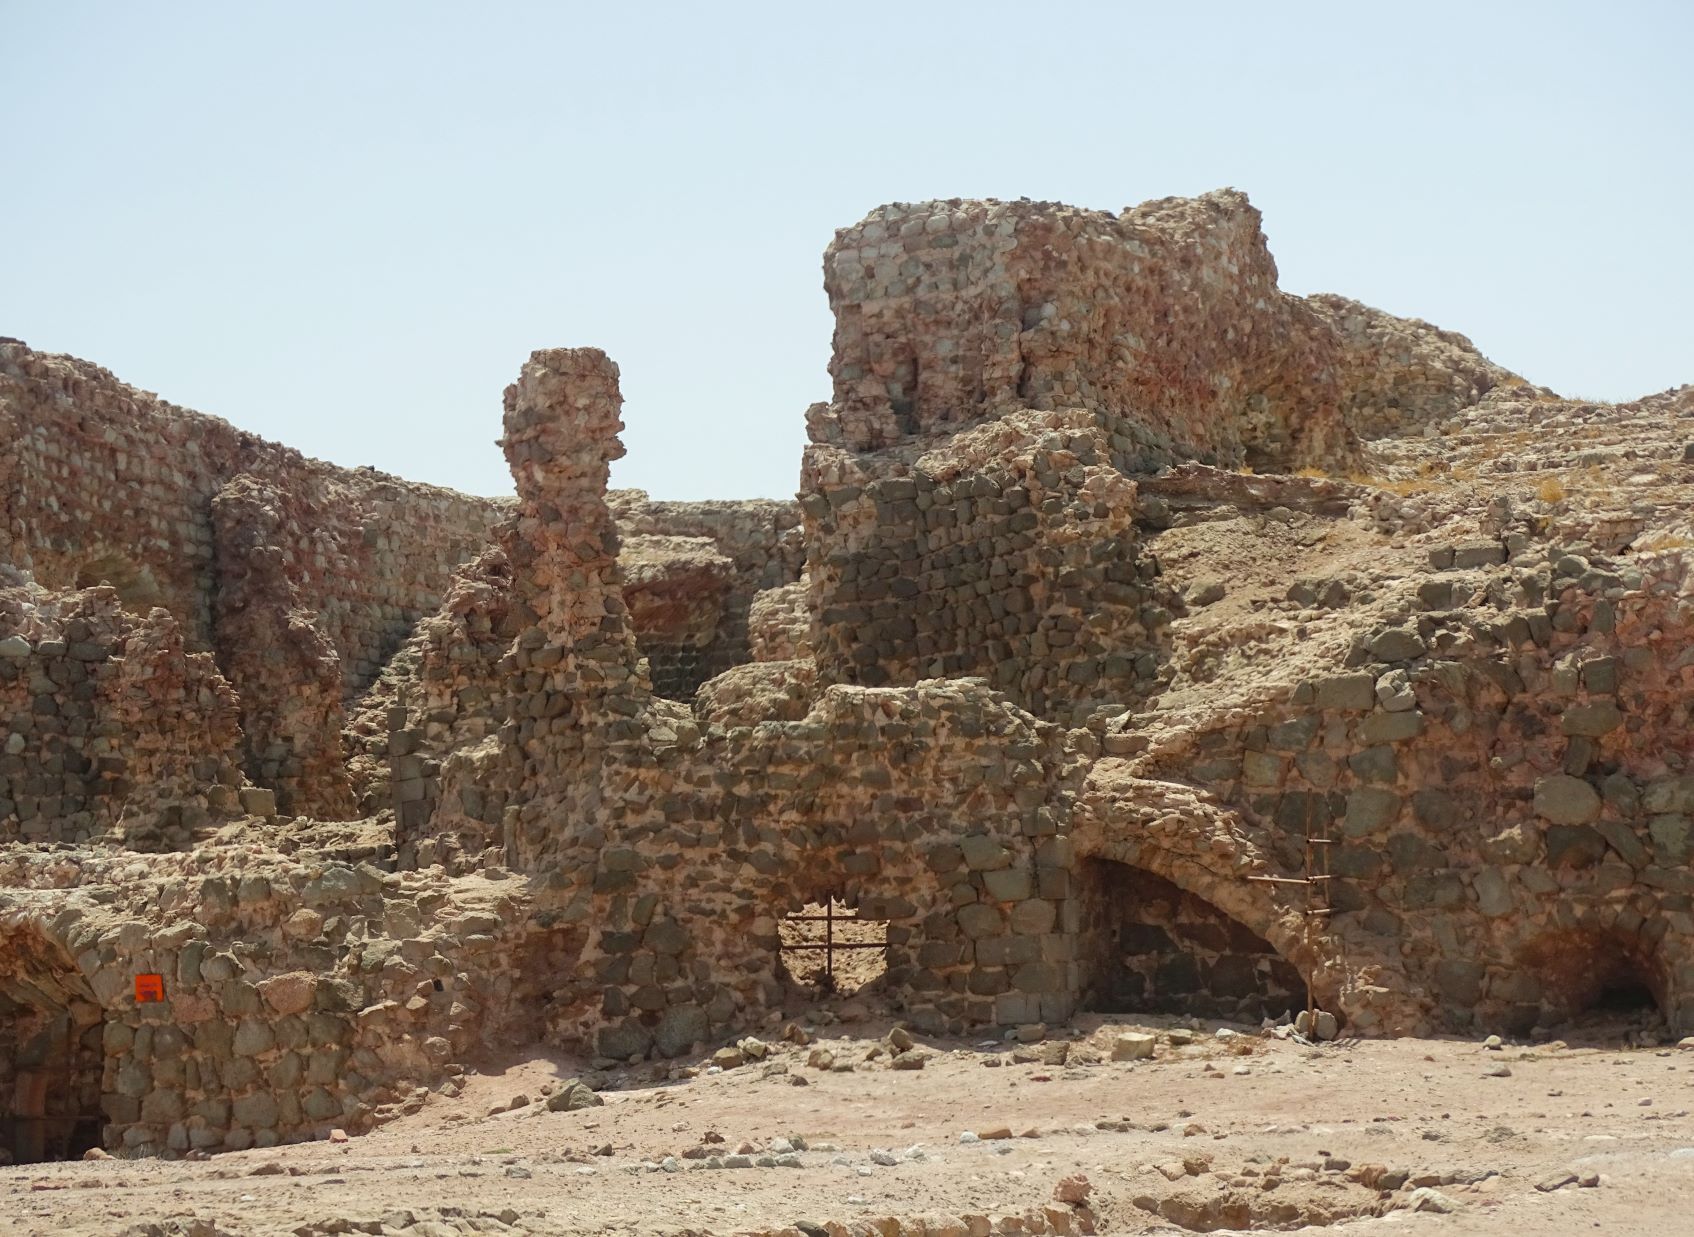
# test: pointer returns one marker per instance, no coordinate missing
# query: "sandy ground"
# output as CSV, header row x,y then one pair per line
x,y
1444,1113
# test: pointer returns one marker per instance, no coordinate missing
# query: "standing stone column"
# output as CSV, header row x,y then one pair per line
x,y
577,685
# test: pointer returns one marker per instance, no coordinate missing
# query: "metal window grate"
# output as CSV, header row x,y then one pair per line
x,y
830,945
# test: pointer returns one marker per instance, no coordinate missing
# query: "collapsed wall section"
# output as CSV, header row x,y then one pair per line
x,y
691,572
109,727
1502,780
665,848
303,594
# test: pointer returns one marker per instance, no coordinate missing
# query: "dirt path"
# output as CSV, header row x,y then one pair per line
x,y
1477,1129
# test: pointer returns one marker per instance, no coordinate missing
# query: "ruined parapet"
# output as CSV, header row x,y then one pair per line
x,y
1397,374
104,483
275,653
1167,318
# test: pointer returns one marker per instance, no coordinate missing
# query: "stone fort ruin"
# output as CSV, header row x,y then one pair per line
x,y
1142,637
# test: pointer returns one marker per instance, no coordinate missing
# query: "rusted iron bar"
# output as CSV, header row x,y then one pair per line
x,y
838,945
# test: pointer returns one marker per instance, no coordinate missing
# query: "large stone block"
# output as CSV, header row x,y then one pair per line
x,y
1566,800
680,1028
1592,719
1347,692
1368,809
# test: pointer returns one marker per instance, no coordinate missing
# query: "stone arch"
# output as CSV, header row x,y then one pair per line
x,y
52,1055
137,588
1593,969
1211,850
1147,945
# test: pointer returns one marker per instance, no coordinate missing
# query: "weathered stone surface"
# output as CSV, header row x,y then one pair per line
x,y
1070,686
1566,800
1133,1047
1597,718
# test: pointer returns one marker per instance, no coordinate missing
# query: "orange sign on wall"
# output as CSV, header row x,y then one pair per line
x,y
149,988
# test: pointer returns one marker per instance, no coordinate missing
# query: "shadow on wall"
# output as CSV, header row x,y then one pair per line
x,y
1149,947
136,588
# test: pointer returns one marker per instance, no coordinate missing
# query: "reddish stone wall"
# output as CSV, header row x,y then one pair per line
x,y
1166,316
303,578
102,481
108,727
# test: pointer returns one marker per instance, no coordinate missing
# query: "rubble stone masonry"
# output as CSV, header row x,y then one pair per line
x,y
1141,636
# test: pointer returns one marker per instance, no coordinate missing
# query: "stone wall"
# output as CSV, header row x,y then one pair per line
x,y
1166,317
1399,374
109,728
641,812
1013,554
104,483
298,998
671,848
691,619
1502,771
1008,708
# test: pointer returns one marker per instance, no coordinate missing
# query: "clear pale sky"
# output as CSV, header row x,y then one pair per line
x,y
344,226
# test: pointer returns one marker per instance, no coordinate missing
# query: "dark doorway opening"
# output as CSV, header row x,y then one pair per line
x,y
1626,996
50,1080
1150,947
1591,981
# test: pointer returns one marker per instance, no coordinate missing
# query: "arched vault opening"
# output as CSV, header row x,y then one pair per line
x,y
1148,946
52,1056
1586,978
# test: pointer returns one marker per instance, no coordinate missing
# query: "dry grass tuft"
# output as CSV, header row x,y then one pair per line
x,y
1665,541
1551,490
